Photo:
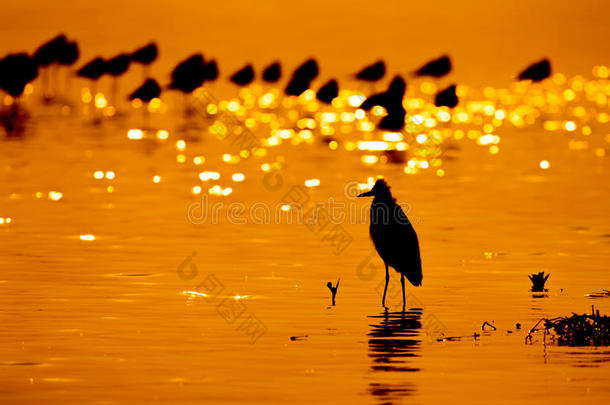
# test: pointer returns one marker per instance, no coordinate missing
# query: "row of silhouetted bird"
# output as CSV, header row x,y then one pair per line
x,y
17,70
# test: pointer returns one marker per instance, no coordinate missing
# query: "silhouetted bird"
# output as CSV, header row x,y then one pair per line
x,y
210,71
118,65
537,71
243,76
49,52
145,55
446,97
272,73
93,70
435,68
188,74
372,73
395,120
68,54
333,290
394,238
147,91
328,92
302,77
16,71
389,99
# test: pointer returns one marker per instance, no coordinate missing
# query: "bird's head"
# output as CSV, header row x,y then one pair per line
x,y
380,190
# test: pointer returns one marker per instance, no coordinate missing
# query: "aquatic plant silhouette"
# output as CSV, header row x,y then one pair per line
x,y
394,238
538,281
577,330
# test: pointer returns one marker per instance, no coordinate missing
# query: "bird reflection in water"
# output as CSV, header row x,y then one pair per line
x,y
395,339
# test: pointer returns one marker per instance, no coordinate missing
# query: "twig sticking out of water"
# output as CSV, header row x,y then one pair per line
x,y
538,281
577,330
487,324
333,290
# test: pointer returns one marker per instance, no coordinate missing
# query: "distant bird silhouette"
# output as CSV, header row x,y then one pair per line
x,y
388,99
333,289
147,91
435,68
188,74
394,238
446,97
243,76
272,73
537,71
16,71
210,71
328,92
48,52
118,65
68,54
302,77
145,56
93,70
372,73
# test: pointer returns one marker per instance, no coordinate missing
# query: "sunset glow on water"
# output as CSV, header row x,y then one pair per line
x,y
178,250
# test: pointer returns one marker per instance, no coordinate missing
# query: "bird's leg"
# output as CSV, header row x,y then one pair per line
x,y
402,282
387,280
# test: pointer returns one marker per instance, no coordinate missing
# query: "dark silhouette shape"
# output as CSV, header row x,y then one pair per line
x,y
48,52
372,73
328,92
390,99
536,72
118,65
395,120
145,55
210,71
188,74
446,97
243,76
333,290
68,54
16,71
93,70
435,68
302,77
394,238
487,324
147,91
393,344
272,73
538,281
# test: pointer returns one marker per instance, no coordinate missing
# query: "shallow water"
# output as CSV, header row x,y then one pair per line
x,y
123,318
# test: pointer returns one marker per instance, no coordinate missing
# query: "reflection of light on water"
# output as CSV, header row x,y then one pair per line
x,y
55,195
135,134
87,237
5,221
544,164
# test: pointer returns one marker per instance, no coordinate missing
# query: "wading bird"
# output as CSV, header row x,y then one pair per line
x,y
145,56
394,238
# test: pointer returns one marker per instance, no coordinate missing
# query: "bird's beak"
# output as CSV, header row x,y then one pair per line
x,y
367,194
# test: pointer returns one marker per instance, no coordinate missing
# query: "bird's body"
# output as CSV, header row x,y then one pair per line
x,y
394,237
302,77
16,71
372,73
93,69
272,73
536,72
145,55
328,92
147,91
446,97
391,100
435,68
243,76
188,74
